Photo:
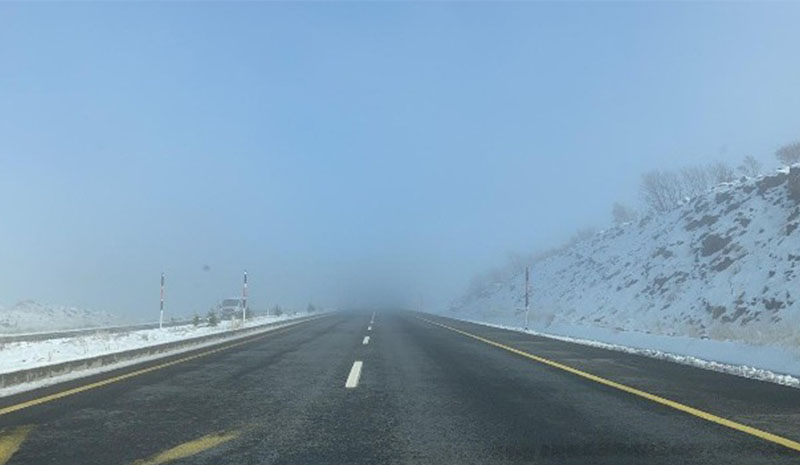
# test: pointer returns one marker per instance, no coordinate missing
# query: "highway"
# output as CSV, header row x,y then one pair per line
x,y
403,387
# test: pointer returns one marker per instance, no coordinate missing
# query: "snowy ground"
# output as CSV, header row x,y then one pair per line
x,y
135,340
773,364
711,283
30,316
29,354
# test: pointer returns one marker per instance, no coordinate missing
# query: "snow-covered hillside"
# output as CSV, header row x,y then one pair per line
x,y
29,316
725,266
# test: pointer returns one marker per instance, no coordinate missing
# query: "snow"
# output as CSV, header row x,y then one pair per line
x,y
722,356
717,279
29,354
23,387
31,317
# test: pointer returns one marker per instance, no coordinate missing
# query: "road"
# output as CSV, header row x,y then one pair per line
x,y
431,390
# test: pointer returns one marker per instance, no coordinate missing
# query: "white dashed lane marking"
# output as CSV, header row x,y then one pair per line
x,y
354,376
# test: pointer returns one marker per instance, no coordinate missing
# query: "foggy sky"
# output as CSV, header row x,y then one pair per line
x,y
353,153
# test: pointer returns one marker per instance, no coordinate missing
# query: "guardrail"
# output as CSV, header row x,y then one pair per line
x,y
33,337
48,371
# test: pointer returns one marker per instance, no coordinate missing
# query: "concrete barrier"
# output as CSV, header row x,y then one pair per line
x,y
48,371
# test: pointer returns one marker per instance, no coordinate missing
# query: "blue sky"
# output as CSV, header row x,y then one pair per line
x,y
354,153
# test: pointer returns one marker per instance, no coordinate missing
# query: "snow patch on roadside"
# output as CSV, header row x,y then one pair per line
x,y
18,388
22,355
684,350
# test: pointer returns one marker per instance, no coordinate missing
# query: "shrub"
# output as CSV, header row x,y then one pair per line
x,y
750,167
622,214
789,154
720,172
661,190
696,180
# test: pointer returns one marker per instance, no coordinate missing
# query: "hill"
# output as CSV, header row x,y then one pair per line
x,y
724,266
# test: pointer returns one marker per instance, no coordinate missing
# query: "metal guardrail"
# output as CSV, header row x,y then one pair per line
x,y
56,369
33,337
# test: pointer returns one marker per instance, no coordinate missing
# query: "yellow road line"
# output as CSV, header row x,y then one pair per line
x,y
11,439
115,379
774,438
187,449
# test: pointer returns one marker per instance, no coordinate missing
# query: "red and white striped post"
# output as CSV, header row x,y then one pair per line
x,y
527,294
244,297
161,317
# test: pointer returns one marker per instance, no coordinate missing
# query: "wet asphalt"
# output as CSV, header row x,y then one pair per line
x,y
426,395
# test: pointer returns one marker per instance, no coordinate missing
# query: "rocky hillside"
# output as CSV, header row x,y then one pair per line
x,y
725,265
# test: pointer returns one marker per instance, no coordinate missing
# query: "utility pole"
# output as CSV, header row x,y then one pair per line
x,y
244,297
161,317
527,294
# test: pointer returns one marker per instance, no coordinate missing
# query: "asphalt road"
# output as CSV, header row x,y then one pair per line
x,y
426,394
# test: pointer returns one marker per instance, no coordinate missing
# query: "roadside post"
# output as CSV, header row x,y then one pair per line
x,y
161,316
527,294
244,297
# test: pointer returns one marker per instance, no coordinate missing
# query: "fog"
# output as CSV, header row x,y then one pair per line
x,y
354,155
